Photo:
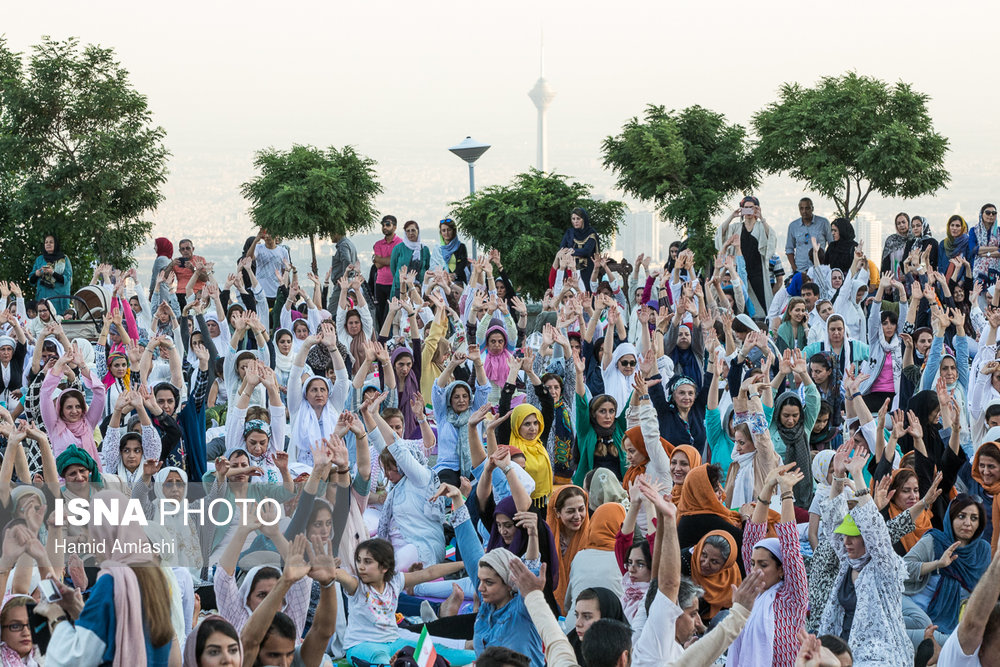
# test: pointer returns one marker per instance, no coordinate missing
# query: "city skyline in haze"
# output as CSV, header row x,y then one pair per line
x,y
404,81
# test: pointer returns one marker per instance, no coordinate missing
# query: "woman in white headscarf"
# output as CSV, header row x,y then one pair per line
x,y
411,254
865,607
315,405
618,369
170,527
770,636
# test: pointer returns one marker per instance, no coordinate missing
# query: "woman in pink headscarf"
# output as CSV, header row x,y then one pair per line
x,y
498,357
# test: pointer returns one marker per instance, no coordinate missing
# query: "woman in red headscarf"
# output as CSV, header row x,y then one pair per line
x,y
164,253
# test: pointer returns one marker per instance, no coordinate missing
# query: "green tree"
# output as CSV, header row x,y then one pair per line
x,y
526,221
687,164
311,192
850,136
80,157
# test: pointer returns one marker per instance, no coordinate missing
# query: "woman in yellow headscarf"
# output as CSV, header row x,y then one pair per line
x,y
527,433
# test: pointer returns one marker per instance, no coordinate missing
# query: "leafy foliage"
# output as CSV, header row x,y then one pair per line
x,y
311,192
686,163
852,135
526,221
79,157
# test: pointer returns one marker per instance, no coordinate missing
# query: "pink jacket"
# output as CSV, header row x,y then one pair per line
x,y
80,433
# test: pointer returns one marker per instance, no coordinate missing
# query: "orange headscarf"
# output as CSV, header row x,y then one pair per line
x,y
993,489
634,435
694,460
718,593
604,526
923,520
698,497
576,543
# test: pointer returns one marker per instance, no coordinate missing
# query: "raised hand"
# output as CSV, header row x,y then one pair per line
x,y
949,556
882,495
296,566
747,592
840,459
525,581
857,463
150,467
480,415
933,491
339,455
799,364
528,521
492,426
789,479
449,491
898,424
322,563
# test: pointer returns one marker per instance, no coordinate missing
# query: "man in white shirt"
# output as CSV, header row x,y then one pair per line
x,y
977,639
269,257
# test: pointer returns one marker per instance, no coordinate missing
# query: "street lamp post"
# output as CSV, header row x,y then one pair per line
x,y
470,150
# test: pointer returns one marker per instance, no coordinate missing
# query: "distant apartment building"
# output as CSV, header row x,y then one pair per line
x,y
642,232
868,228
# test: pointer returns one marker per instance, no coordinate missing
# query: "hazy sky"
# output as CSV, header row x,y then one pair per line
x,y
402,81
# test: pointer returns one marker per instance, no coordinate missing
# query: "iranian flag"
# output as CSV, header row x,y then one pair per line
x,y
425,654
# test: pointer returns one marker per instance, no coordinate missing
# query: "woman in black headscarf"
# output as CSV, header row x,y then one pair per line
x,y
52,275
840,252
582,239
598,603
932,454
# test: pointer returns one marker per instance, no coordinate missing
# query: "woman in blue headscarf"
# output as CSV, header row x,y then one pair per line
x,y
581,238
956,244
454,254
944,567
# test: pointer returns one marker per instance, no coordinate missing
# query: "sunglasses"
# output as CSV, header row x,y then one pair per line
x,y
447,221
626,363
989,212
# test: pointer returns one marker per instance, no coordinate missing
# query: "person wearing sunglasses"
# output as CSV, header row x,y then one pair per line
x,y
984,240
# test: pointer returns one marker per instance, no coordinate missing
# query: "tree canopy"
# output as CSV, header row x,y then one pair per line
x,y
686,163
80,157
526,221
311,192
851,136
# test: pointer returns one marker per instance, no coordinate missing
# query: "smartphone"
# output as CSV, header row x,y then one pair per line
x,y
49,590
746,210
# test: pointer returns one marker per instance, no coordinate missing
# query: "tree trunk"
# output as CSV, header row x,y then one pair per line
x,y
312,246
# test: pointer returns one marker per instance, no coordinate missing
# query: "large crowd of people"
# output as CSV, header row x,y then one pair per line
x,y
761,460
